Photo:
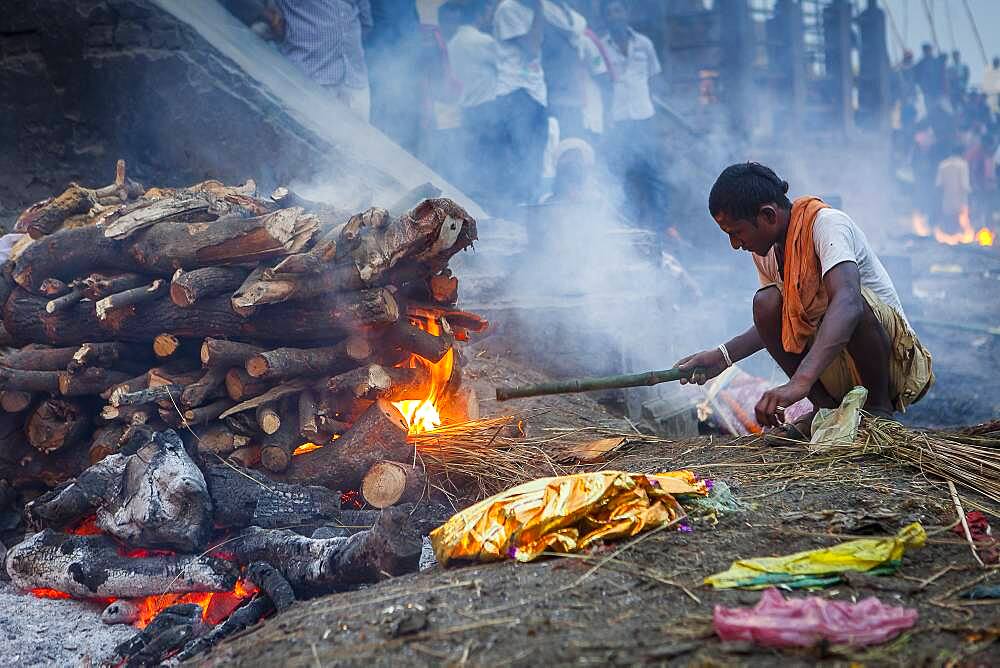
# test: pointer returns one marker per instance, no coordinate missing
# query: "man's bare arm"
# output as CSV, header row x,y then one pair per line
x,y
710,363
744,345
844,311
846,306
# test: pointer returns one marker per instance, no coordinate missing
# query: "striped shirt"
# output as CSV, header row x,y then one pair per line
x,y
323,37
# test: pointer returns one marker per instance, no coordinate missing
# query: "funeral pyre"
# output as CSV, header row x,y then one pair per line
x,y
196,377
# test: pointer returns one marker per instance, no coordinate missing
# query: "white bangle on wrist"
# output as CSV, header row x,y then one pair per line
x,y
725,355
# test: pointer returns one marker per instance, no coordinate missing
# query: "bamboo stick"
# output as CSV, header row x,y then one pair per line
x,y
591,384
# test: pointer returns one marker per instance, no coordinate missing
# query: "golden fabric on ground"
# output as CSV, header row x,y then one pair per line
x,y
563,514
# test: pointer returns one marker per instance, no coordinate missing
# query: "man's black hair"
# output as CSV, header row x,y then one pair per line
x,y
743,188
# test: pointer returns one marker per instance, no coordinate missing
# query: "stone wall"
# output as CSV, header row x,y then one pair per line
x,y
85,82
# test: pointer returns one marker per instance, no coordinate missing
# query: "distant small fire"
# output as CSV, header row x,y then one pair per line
x,y
984,237
966,233
918,223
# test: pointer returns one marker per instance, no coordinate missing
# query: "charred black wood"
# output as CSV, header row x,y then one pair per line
x,y
245,616
150,495
272,583
93,567
243,497
172,629
314,566
72,501
162,500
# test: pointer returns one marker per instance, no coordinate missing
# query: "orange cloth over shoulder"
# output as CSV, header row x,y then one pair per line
x,y
805,300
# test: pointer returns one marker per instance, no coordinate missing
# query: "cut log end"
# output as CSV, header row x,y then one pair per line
x,y
268,418
274,458
390,483
15,401
56,424
165,345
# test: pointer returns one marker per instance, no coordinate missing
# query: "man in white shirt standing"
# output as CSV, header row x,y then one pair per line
x,y
954,184
634,150
522,97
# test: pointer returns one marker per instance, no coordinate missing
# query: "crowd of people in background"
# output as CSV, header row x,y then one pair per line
x,y
500,96
947,138
494,95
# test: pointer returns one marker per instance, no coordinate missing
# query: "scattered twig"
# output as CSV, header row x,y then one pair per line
x,y
964,521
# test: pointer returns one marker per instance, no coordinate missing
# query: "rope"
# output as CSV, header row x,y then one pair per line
x,y
930,21
906,21
975,31
895,28
951,26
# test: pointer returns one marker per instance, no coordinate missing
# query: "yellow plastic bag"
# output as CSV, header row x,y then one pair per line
x,y
563,514
804,569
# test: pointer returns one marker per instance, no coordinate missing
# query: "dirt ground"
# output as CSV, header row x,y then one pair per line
x,y
644,601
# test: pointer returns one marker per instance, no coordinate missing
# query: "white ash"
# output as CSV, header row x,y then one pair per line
x,y
428,559
44,632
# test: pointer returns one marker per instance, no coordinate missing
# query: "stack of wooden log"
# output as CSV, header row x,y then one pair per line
x,y
251,325
159,344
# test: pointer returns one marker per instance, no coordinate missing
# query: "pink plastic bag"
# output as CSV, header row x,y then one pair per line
x,y
803,622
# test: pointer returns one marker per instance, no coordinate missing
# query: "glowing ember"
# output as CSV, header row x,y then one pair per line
x,y
215,607
984,237
306,447
919,223
352,499
49,593
87,527
309,447
422,415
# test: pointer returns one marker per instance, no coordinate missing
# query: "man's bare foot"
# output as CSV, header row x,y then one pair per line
x,y
881,413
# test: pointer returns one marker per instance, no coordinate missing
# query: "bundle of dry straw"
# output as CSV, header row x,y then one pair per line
x,y
970,458
482,457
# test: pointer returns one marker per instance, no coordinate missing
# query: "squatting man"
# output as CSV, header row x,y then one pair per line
x,y
827,311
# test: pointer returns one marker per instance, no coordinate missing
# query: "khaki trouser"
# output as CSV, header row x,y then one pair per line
x,y
910,372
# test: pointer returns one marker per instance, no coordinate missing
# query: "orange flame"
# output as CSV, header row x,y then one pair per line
x,y
422,415
965,235
984,237
919,223
306,447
